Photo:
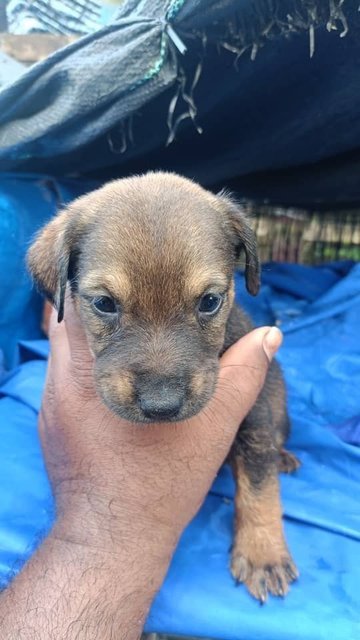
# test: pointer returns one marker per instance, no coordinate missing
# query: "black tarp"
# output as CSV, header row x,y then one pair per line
x,y
276,123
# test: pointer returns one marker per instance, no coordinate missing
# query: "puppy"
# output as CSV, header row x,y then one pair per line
x,y
151,261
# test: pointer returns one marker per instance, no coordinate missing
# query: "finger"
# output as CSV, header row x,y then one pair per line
x,y
59,345
243,369
268,338
53,323
272,342
79,348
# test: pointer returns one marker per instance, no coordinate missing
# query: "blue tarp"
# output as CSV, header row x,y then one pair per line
x,y
26,202
319,312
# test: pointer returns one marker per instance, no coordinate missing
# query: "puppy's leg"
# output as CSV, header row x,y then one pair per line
x,y
260,557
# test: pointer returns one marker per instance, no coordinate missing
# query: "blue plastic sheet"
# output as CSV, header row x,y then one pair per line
x,y
318,309
26,202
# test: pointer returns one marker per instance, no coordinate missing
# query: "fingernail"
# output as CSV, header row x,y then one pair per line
x,y
272,341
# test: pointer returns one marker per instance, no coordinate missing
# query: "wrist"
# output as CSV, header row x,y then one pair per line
x,y
133,562
115,529
104,592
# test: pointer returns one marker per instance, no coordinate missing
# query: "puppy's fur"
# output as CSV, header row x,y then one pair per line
x,y
155,245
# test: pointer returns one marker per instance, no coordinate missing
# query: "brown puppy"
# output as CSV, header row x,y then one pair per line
x,y
150,262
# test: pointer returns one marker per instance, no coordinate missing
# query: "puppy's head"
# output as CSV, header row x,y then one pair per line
x,y
150,262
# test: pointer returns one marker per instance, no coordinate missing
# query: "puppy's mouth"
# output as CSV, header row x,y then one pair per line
x,y
133,414
162,402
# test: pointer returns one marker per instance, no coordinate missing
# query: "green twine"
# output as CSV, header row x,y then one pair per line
x,y
172,11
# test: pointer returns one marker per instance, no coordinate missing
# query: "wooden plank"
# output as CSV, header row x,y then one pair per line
x,y
32,47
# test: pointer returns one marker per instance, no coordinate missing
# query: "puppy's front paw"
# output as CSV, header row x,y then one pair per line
x,y
263,578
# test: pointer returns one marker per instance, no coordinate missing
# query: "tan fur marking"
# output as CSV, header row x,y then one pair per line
x,y
199,280
258,519
122,386
116,283
198,382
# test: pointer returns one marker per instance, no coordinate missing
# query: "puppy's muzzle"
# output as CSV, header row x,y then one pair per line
x,y
160,398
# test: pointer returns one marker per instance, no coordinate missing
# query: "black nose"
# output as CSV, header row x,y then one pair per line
x,y
162,403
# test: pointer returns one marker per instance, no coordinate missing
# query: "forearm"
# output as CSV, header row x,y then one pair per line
x,y
70,591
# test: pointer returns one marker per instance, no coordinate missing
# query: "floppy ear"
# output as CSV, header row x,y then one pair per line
x,y
52,257
243,238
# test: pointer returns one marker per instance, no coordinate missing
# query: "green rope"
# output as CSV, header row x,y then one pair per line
x,y
174,9
171,13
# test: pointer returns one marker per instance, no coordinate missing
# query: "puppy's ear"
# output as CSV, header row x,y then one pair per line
x,y
243,238
52,257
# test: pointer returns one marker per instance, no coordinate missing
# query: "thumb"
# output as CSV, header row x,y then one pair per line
x,y
243,369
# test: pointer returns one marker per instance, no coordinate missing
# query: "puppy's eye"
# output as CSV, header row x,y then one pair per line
x,y
104,304
210,304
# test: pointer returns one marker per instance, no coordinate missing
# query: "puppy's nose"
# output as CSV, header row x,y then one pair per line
x,y
163,403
